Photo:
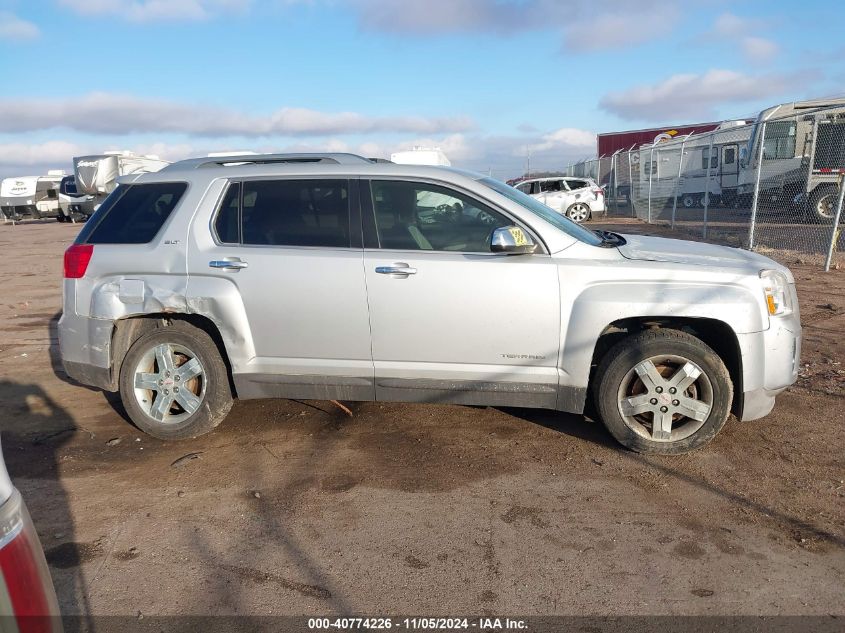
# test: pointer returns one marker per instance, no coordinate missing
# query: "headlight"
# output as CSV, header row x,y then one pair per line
x,y
776,291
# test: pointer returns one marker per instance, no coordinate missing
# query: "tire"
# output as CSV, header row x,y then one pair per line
x,y
623,376
823,204
146,363
689,201
578,212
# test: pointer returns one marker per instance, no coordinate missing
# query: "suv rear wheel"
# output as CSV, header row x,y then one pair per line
x,y
174,384
663,391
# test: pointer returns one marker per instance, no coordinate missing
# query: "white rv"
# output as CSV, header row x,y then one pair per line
x,y
660,166
803,154
97,175
36,196
421,156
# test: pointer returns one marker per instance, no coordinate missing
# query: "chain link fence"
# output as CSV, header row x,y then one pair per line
x,y
775,184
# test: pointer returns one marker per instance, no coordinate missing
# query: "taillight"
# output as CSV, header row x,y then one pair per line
x,y
25,583
77,257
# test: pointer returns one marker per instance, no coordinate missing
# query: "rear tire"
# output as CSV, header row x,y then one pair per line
x,y
657,377
174,384
823,204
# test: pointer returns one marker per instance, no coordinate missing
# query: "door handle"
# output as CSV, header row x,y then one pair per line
x,y
233,263
397,269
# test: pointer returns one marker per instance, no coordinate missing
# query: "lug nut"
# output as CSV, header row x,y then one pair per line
x,y
663,409
653,401
659,390
672,390
175,389
675,403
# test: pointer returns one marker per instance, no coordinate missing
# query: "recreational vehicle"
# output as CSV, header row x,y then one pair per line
x,y
73,204
704,169
97,175
803,154
35,196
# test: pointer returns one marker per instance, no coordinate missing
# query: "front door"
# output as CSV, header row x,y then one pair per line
x,y
293,254
730,167
451,321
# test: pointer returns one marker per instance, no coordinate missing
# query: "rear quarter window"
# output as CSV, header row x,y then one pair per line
x,y
133,214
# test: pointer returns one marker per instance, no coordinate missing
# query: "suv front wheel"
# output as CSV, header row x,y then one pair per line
x,y
663,391
174,384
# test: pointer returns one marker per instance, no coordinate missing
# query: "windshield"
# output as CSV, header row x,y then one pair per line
x,y
549,215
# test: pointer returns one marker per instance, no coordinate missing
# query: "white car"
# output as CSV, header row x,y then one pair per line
x,y
579,199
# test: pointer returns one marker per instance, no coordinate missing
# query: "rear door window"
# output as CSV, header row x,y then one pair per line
x,y
295,213
133,214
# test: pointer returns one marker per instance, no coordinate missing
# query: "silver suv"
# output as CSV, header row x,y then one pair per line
x,y
335,277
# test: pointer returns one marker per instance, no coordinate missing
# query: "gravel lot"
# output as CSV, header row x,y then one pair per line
x,y
293,507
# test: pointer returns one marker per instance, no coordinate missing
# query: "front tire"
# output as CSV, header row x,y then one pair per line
x,y
174,384
663,391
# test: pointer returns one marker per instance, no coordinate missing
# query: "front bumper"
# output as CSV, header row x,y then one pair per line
x,y
770,364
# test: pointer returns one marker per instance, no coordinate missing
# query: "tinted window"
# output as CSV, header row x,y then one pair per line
x,y
296,213
133,214
576,184
417,216
714,159
550,185
730,155
226,223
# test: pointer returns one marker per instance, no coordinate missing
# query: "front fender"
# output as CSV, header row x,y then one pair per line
x,y
599,305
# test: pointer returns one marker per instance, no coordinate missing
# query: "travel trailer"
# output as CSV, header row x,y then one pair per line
x,y
705,169
803,154
34,196
73,204
97,175
421,156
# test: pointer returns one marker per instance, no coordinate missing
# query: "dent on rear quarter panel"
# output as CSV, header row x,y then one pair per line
x,y
220,301
121,298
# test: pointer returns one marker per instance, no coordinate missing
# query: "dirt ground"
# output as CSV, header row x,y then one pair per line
x,y
293,507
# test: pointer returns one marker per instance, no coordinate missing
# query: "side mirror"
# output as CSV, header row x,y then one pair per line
x,y
512,240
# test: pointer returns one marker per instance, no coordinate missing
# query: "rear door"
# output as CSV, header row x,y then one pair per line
x,y
291,248
451,321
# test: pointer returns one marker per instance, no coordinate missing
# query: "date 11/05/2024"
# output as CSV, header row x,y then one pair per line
x,y
418,624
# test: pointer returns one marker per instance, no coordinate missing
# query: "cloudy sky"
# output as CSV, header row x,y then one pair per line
x,y
485,80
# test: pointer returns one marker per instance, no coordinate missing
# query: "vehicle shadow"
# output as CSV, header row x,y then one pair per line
x,y
34,431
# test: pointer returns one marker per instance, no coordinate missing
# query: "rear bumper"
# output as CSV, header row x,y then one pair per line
x,y
770,361
85,347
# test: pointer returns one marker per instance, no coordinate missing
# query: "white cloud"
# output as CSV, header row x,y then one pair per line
x,y
504,156
14,28
619,29
51,152
756,49
693,96
105,113
566,138
759,49
154,10
581,23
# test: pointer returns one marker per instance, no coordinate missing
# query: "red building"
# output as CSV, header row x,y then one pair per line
x,y
610,142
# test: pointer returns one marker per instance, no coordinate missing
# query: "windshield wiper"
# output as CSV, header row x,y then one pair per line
x,y
608,238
